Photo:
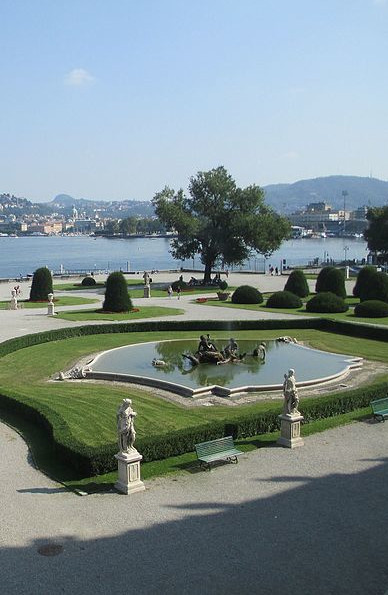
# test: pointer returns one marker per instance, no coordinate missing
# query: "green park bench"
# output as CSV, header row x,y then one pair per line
x,y
221,449
380,408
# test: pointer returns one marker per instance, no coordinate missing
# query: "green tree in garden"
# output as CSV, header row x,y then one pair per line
x,y
116,294
42,285
377,232
219,221
128,225
364,278
297,283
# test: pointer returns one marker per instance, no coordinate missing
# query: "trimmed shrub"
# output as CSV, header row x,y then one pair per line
x,y
297,284
182,284
326,302
246,294
334,282
223,285
116,295
371,309
320,284
364,278
88,281
376,289
284,299
42,285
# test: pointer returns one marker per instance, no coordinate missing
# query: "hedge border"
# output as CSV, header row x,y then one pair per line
x,y
88,461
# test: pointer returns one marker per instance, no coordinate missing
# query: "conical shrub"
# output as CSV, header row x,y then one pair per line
x,y
297,284
320,285
364,278
335,282
42,285
116,294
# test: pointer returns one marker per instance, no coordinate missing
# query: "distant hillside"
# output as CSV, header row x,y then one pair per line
x,y
287,198
115,208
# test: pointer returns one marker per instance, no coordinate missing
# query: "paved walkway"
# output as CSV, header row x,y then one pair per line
x,y
311,520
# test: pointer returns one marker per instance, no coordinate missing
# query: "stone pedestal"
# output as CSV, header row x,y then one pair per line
x,y
147,291
129,472
13,304
290,430
50,309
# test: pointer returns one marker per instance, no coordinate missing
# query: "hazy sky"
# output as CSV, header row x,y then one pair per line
x,y
114,100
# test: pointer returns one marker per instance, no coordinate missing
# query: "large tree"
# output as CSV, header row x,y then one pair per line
x,y
219,221
377,232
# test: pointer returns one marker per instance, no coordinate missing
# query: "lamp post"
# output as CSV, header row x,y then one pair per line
x,y
346,248
344,194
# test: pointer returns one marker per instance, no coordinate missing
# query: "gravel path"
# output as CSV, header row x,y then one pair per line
x,y
311,520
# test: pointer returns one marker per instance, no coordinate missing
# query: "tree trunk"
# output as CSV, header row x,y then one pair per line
x,y
208,272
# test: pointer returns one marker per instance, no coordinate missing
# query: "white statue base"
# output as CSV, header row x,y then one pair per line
x,y
147,291
129,472
290,430
50,309
13,304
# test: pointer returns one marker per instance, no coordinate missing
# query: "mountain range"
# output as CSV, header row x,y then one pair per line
x,y
287,198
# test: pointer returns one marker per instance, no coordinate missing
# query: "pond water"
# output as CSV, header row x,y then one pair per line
x,y
136,360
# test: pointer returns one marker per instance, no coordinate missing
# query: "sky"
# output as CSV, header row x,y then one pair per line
x,y
115,100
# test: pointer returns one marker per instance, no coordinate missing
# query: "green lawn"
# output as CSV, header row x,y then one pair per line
x,y
87,410
59,301
347,316
71,286
188,463
143,312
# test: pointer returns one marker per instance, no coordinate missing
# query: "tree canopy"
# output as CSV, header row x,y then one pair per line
x,y
377,232
219,221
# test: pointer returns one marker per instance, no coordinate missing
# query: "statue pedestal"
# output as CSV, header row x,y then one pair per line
x,y
147,291
13,304
290,430
50,309
129,472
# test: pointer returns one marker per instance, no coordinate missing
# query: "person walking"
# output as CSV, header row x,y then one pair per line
x,y
178,292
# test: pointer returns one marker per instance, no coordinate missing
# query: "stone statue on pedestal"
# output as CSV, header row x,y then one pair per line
x,y
290,392
125,426
128,459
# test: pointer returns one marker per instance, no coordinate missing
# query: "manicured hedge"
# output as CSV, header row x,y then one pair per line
x,y
42,285
320,284
246,294
297,283
87,461
371,309
284,299
88,281
116,294
376,289
364,278
326,302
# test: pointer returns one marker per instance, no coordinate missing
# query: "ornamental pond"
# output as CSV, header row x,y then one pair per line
x,y
133,363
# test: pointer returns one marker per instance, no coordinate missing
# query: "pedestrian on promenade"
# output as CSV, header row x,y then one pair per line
x,y
178,292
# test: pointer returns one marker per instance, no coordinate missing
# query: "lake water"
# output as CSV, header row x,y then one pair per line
x,y
22,255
